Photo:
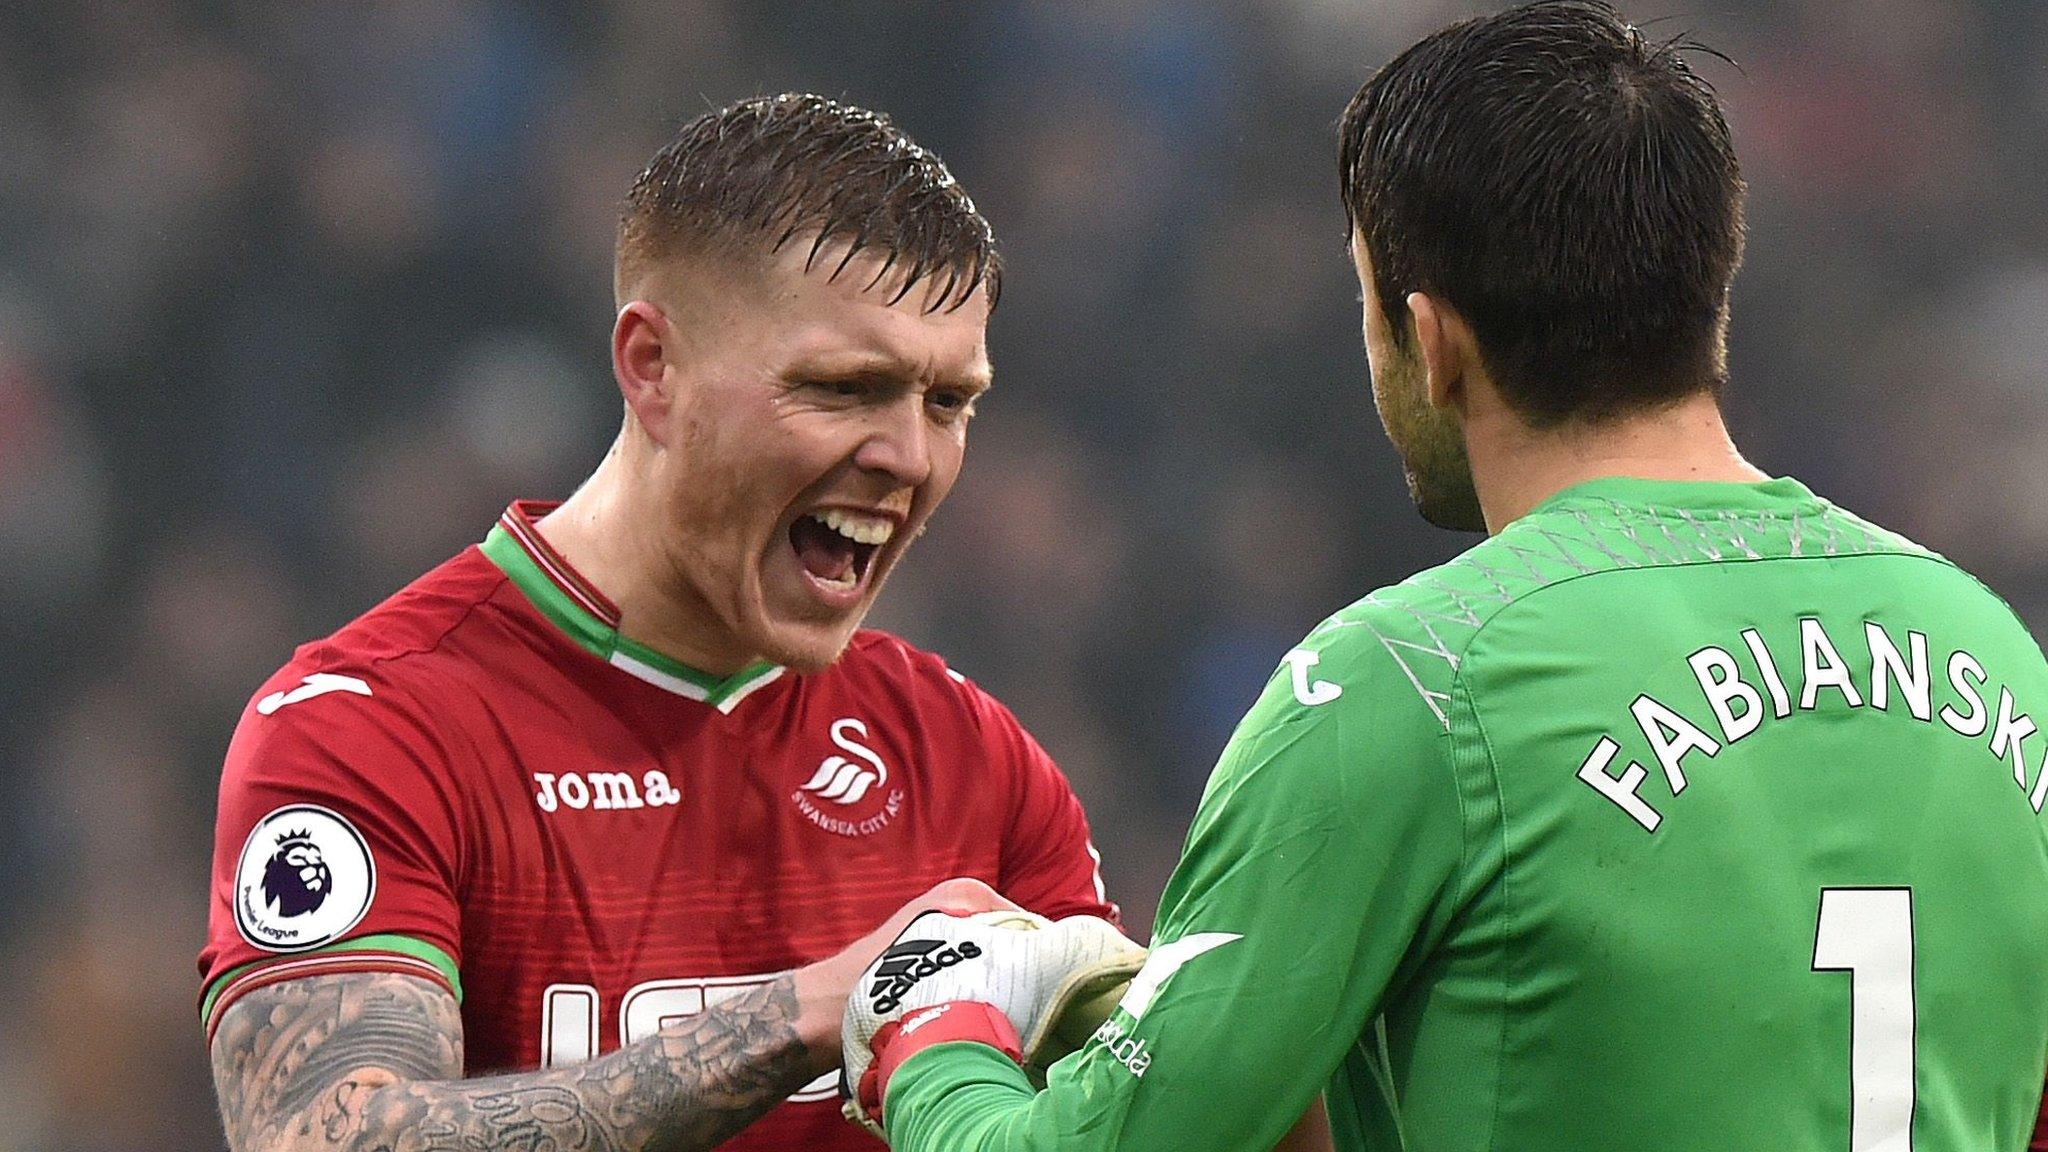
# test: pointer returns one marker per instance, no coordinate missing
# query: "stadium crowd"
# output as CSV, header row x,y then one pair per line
x,y
294,298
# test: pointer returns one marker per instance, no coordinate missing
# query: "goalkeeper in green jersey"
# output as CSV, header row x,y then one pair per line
x,y
1688,811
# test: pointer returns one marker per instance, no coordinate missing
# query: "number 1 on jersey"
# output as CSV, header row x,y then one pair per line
x,y
1868,933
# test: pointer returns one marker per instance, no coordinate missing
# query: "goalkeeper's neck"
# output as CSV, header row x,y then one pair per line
x,y
1516,467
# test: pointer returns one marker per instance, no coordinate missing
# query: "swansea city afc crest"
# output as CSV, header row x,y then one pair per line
x,y
305,878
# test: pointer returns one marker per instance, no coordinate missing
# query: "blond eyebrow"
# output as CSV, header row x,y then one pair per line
x,y
881,368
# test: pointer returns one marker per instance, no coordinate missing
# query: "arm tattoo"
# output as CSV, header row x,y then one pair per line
x,y
369,1062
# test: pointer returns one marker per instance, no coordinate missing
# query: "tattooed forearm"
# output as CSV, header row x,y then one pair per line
x,y
284,1051
368,1063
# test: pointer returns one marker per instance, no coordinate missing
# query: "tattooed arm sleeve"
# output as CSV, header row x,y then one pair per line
x,y
369,1062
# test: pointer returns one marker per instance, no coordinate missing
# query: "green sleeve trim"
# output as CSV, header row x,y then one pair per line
x,y
403,945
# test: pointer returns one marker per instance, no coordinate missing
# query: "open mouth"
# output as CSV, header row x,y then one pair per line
x,y
836,546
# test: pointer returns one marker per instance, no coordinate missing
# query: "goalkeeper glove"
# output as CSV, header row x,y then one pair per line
x,y
1005,979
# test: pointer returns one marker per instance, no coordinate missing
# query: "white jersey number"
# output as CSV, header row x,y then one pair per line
x,y
569,1015
1868,933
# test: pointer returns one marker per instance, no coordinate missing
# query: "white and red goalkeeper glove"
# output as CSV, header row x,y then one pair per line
x,y
1005,979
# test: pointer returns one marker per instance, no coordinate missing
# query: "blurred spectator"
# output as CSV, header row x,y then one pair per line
x,y
54,495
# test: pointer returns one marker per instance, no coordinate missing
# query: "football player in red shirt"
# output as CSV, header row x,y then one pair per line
x,y
602,813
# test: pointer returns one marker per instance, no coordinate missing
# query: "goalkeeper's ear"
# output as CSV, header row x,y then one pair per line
x,y
1448,350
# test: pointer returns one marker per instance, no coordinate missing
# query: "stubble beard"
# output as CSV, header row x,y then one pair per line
x,y
810,658
1434,460
813,658
1440,482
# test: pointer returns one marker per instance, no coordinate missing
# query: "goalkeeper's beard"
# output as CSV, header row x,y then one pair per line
x,y
1440,482
1431,443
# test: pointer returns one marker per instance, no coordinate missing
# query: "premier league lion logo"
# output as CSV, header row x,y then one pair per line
x,y
296,880
305,878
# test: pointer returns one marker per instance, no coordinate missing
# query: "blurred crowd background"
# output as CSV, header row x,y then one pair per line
x,y
294,297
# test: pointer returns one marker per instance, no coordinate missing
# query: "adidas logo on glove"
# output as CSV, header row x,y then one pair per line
x,y
1035,991
908,961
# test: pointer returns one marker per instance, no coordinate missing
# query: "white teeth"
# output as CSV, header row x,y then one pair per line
x,y
856,526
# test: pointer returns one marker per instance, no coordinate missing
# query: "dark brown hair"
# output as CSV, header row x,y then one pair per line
x,y
1570,188
751,177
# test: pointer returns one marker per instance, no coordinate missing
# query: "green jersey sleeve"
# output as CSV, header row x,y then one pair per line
x,y
1676,815
1322,863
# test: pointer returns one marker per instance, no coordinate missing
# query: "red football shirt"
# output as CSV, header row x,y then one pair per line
x,y
482,783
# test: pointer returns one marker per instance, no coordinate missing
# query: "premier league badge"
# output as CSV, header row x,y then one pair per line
x,y
306,877
297,880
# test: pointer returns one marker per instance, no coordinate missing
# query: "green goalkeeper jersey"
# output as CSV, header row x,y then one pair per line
x,y
1676,816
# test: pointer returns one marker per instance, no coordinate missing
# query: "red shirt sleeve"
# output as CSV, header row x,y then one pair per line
x,y
336,844
1049,863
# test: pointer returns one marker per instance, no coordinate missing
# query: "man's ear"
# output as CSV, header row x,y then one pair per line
x,y
1445,341
641,343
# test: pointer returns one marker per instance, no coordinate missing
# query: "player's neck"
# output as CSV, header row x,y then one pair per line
x,y
601,531
1515,468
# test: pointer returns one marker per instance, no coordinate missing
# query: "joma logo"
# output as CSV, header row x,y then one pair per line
x,y
603,790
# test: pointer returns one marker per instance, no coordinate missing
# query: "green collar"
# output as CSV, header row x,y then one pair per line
x,y
1762,495
587,617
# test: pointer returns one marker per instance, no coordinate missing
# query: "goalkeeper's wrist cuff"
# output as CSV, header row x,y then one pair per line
x,y
953,1021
